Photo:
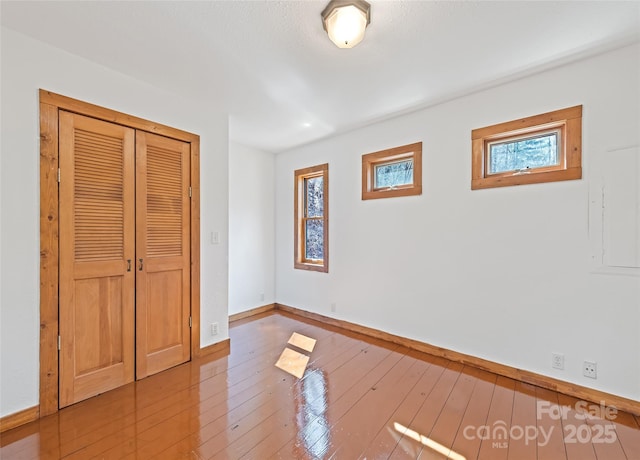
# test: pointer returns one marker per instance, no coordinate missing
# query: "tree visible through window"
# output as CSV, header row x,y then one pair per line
x,y
311,217
534,152
541,148
393,172
314,221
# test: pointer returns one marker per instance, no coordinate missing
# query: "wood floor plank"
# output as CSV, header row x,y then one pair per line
x,y
523,432
315,431
601,432
258,426
24,437
358,398
170,407
495,442
626,428
310,401
210,431
369,414
550,432
467,441
605,439
448,423
571,424
422,424
388,437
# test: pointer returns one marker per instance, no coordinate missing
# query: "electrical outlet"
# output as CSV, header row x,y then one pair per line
x,y
262,296
557,361
214,328
590,369
333,306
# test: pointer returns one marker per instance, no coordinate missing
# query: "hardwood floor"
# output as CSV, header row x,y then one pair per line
x,y
358,399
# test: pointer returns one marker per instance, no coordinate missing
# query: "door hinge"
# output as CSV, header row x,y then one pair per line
x,y
59,343
58,175
190,321
190,192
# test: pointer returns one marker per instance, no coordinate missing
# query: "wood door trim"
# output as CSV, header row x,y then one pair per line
x,y
48,259
101,113
195,247
50,104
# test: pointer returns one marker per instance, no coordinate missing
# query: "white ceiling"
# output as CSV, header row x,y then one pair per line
x,y
272,67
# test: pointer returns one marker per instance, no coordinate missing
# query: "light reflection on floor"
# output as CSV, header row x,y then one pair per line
x,y
311,400
312,403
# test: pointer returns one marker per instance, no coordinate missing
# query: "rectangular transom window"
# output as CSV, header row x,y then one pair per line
x,y
393,172
311,210
520,154
542,148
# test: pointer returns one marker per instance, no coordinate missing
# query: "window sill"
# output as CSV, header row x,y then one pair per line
x,y
528,178
391,192
311,267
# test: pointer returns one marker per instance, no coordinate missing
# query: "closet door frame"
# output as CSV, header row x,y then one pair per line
x,y
50,105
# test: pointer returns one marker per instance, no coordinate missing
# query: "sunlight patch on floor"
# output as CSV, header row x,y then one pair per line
x,y
428,442
292,362
302,341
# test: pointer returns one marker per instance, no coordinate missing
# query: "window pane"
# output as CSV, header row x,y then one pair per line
x,y
534,152
314,196
314,240
391,174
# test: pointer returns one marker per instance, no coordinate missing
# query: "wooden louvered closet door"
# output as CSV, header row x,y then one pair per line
x,y
163,287
97,238
125,288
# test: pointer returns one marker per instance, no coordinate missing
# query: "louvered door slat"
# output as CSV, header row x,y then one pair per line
x,y
164,202
98,196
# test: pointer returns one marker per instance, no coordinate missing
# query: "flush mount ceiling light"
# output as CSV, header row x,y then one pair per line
x,y
345,21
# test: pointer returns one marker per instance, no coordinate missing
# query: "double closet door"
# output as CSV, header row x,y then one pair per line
x,y
125,304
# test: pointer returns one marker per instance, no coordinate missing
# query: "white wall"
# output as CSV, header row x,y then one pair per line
x,y
251,228
503,274
26,66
